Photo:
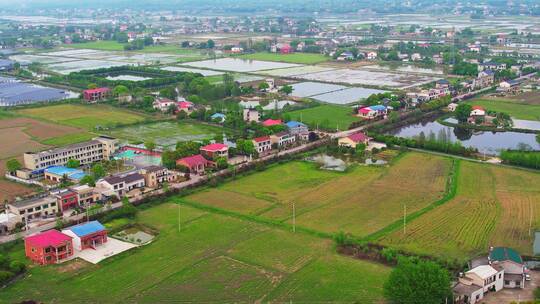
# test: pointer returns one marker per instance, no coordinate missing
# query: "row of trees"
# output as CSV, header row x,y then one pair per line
x,y
529,159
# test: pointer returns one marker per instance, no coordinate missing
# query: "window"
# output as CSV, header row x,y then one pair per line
x,y
500,275
506,282
478,296
518,283
53,204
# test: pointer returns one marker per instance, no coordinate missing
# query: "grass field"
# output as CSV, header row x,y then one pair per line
x,y
493,206
86,117
103,45
168,133
512,107
326,116
208,258
361,201
109,45
301,58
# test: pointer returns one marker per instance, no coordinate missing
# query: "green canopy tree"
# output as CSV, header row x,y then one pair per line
x,y
463,111
286,89
418,281
13,165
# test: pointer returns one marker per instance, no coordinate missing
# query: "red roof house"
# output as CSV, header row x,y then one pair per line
x,y
262,144
195,163
48,247
353,140
93,95
272,122
214,151
67,199
286,49
185,106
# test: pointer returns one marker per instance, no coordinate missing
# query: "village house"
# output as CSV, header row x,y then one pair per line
x,y
347,55
8,222
484,79
282,139
354,139
194,164
452,107
475,283
88,235
251,115
97,94
477,112
121,185
371,55
97,149
85,195
163,104
372,112
300,130
218,117
512,263
509,87
491,66
442,84
215,151
272,122
185,106
155,176
34,208
66,199
49,247
262,144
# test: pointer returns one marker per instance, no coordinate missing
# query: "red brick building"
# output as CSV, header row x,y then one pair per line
x,y
49,247
93,95
195,163
67,199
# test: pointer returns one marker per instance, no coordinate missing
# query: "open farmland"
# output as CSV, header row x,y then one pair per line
x,y
302,58
84,116
493,206
167,133
208,257
330,117
328,201
514,108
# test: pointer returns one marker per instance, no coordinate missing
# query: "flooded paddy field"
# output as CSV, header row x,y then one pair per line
x,y
331,93
239,65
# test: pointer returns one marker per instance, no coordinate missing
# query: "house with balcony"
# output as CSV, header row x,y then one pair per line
x,y
49,247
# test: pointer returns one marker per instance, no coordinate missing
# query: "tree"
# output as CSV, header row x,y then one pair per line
x,y
88,180
210,44
92,86
222,163
286,89
263,86
120,90
13,165
73,163
417,281
463,110
150,145
98,171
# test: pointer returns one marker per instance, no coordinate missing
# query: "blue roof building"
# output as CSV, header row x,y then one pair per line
x,y
218,116
88,228
294,124
56,173
378,108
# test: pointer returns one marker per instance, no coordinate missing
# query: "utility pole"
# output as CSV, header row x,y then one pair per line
x,y
404,218
179,223
294,218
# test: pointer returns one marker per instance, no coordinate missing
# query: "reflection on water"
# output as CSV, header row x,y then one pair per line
x,y
328,162
485,141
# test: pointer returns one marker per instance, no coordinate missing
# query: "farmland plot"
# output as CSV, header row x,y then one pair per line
x,y
204,257
493,207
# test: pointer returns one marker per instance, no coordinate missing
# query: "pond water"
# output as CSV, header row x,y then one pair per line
x,y
128,78
347,96
526,124
378,162
328,162
485,141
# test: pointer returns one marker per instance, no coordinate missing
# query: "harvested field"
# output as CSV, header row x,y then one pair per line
x,y
493,206
19,142
38,129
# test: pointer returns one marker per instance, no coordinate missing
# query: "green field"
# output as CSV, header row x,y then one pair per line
x,y
167,133
206,257
329,202
301,58
84,116
68,139
326,117
513,108
103,45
